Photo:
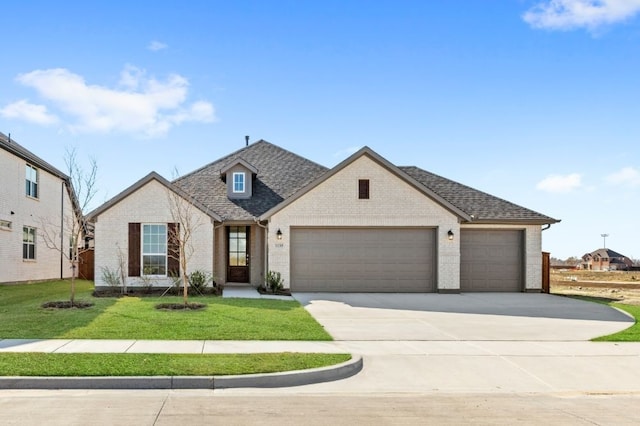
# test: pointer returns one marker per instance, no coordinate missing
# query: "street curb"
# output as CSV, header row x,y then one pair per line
x,y
271,380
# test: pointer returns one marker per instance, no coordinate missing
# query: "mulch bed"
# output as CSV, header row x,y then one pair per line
x,y
283,292
180,306
66,304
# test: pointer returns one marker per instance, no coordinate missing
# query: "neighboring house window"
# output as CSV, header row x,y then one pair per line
x,y
5,224
238,182
154,249
363,189
31,181
28,243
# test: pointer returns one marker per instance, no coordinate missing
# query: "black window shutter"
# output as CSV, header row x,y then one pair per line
x,y
173,249
363,189
134,249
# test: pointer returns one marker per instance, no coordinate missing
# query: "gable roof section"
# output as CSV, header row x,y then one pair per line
x,y
240,161
366,151
479,206
93,216
28,156
605,253
281,174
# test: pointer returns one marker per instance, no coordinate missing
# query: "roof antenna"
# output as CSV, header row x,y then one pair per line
x,y
246,141
9,138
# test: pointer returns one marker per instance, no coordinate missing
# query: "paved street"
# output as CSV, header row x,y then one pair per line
x,y
442,376
142,408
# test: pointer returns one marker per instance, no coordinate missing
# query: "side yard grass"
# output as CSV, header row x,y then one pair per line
x,y
631,334
46,364
136,317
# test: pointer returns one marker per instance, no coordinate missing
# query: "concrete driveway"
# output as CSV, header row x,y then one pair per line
x,y
461,317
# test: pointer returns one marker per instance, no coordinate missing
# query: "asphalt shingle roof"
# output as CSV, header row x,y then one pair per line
x,y
280,174
480,205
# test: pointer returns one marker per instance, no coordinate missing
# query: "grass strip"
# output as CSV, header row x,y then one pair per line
x,y
107,364
22,317
631,334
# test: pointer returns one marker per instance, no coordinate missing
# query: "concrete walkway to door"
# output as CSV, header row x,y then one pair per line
x,y
461,317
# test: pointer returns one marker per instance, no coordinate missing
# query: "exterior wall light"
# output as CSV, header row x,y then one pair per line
x,y
279,234
450,235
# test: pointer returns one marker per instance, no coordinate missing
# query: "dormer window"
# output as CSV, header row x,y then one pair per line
x,y
239,176
238,182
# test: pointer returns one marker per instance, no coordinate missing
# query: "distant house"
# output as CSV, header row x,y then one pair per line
x,y
32,193
365,225
606,260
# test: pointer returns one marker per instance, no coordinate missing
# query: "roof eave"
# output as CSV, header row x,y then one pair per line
x,y
93,216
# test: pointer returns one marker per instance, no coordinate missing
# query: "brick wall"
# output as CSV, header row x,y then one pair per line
x,y
149,204
392,203
45,211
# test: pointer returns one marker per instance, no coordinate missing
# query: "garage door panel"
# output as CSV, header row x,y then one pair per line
x,y
491,260
363,259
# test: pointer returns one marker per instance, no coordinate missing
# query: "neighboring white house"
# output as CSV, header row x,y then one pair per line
x,y
365,225
34,195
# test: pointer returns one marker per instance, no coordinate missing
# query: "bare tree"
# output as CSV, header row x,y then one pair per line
x,y
82,190
187,218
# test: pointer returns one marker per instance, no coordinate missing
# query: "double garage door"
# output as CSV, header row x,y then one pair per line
x,y
491,260
363,259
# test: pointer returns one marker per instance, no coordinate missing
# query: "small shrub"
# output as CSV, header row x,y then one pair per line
x,y
274,281
110,276
198,280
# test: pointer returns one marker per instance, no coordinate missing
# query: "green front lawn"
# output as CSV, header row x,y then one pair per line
x,y
45,364
631,334
136,318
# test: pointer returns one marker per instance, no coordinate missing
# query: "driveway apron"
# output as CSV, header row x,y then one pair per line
x,y
463,317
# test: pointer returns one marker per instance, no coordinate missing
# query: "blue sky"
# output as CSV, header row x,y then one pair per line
x,y
534,101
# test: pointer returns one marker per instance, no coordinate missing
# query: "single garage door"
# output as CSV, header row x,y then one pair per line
x,y
363,259
491,260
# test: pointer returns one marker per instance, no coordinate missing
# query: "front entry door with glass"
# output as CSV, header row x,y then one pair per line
x,y
238,254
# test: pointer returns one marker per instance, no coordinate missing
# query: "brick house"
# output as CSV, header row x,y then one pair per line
x,y
33,193
606,260
364,225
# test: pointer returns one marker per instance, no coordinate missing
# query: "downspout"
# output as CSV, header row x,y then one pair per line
x,y
62,231
548,226
266,247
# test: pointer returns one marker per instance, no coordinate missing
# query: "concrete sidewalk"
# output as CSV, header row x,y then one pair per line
x,y
411,366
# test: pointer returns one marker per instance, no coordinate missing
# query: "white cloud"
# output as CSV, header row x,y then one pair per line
x,y
24,110
560,184
155,45
140,105
626,176
571,14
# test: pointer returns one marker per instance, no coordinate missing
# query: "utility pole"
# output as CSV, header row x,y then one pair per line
x,y
604,240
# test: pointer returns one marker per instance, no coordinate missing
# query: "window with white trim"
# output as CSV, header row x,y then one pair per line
x,y
5,224
154,249
238,182
31,181
28,243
